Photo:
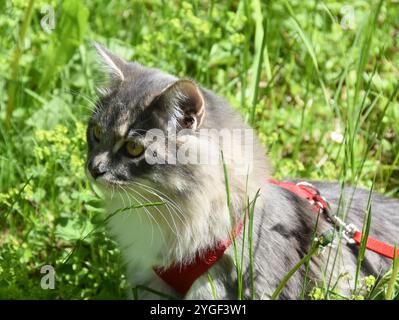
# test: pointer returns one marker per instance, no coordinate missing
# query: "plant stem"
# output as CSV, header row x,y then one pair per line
x,y
394,276
15,62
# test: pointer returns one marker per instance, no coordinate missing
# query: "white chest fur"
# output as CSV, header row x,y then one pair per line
x,y
140,238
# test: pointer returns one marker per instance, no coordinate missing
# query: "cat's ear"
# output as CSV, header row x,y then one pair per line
x,y
113,64
182,102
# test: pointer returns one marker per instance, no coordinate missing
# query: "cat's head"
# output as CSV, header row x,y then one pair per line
x,y
138,100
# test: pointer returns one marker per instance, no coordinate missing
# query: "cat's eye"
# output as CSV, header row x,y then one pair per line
x,y
134,148
97,132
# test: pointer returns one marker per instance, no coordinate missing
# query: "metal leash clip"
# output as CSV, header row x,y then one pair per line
x,y
348,229
349,232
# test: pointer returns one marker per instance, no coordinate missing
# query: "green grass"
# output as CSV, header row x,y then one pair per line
x,y
323,99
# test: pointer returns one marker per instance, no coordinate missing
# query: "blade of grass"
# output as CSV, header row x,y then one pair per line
x,y
236,262
365,234
245,53
12,89
394,276
314,235
365,50
309,47
250,245
212,286
355,110
260,44
304,260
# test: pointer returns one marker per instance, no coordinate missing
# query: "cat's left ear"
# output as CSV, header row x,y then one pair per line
x,y
183,102
113,64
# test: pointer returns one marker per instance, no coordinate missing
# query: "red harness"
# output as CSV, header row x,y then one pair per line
x,y
181,277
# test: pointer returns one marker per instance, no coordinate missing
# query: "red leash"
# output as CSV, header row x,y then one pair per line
x,y
376,246
181,277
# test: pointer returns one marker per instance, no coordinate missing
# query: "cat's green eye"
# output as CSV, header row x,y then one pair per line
x,y
134,148
97,132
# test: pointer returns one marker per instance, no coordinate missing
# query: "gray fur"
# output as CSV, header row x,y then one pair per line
x,y
283,223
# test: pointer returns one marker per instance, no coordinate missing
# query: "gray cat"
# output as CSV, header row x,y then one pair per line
x,y
187,212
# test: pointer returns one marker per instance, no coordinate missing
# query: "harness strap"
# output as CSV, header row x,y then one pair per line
x,y
182,276
304,190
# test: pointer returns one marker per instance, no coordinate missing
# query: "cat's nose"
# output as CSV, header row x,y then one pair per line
x,y
96,171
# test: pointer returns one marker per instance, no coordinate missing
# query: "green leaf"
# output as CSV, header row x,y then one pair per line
x,y
66,38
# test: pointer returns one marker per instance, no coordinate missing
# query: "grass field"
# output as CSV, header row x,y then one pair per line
x,y
318,80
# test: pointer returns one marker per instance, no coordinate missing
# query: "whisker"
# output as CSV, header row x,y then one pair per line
x,y
155,192
130,202
168,201
163,194
113,192
160,212
179,213
147,215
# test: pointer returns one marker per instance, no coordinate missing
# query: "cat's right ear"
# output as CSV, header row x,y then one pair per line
x,y
112,64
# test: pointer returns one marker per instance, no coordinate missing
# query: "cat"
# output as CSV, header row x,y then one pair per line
x,y
189,212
